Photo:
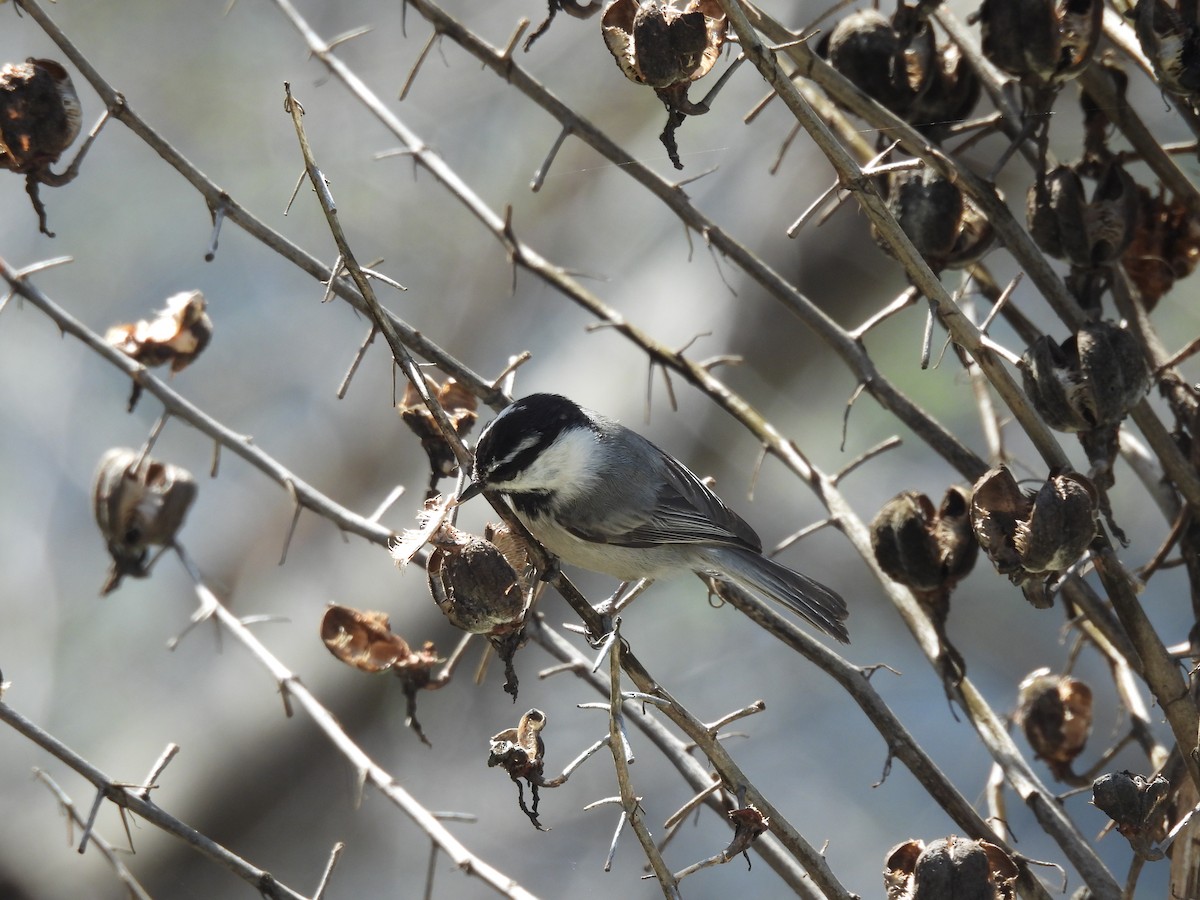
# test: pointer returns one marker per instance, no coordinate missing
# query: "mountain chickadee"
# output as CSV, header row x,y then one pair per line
x,y
603,497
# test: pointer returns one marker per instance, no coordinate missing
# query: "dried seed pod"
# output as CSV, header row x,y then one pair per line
x,y
748,825
40,115
520,751
1055,712
898,63
177,335
1171,41
460,406
1034,534
1136,805
666,47
865,48
1040,41
953,868
1085,233
925,549
1089,381
479,591
1165,245
947,229
365,640
138,507
660,44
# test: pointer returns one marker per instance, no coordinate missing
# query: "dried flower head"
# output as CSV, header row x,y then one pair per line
x,y
1029,536
1055,712
953,868
137,507
1085,233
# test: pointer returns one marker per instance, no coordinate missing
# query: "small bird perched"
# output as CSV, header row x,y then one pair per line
x,y
601,496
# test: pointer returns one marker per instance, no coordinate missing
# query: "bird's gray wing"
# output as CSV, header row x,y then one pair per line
x,y
684,512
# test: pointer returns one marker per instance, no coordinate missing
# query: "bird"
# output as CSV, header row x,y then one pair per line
x,y
600,496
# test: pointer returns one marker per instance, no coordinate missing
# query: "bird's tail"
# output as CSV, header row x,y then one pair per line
x,y
802,595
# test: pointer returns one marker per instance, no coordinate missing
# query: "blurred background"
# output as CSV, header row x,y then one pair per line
x,y
97,672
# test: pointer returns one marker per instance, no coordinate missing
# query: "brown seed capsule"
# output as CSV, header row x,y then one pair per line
x,y
660,44
1171,42
923,548
460,406
953,868
1055,712
138,507
748,825
1085,233
1165,245
946,227
1034,534
667,47
40,115
1040,41
365,640
1090,381
1136,805
898,63
177,335
474,583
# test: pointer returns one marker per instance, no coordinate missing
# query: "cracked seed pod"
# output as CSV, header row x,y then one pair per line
x,y
1041,42
898,63
1090,381
1172,44
138,507
925,549
520,751
1085,233
460,406
1136,805
1055,712
1027,535
177,335
1165,245
946,227
365,640
867,50
953,868
666,47
474,582
748,825
40,115
660,44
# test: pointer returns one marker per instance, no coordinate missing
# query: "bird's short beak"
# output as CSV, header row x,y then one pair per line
x,y
470,489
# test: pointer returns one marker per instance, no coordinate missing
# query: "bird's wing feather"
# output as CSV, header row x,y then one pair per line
x,y
684,512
